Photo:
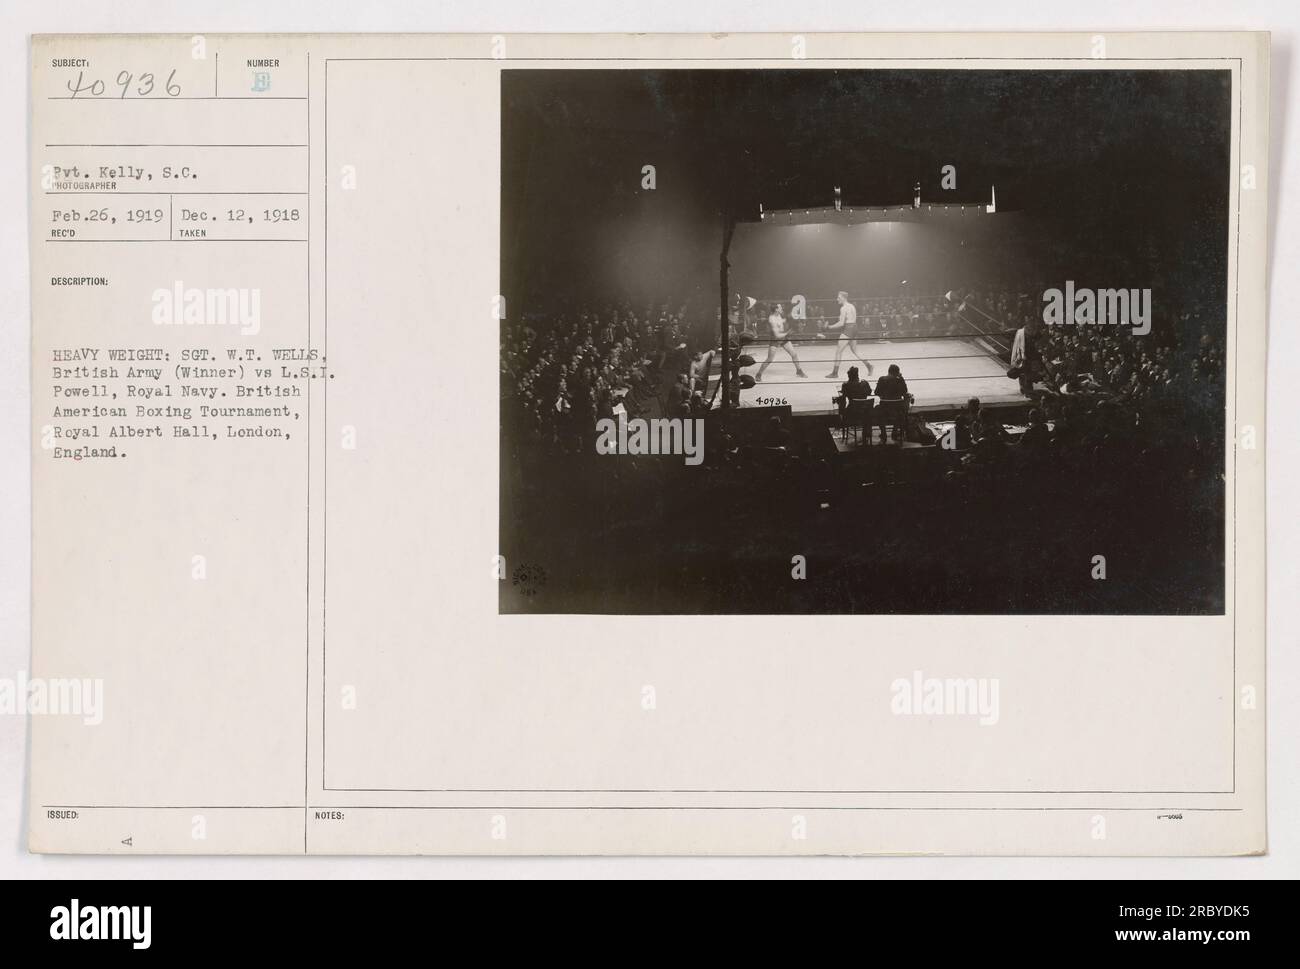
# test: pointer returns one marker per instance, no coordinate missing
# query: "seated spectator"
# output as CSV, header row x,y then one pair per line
x,y
682,406
776,434
855,389
892,386
1037,437
919,432
982,425
701,363
965,424
989,428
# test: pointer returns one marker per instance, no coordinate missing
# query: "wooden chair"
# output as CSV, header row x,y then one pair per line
x,y
892,413
855,413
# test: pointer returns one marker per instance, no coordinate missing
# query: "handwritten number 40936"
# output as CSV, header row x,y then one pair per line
x,y
141,85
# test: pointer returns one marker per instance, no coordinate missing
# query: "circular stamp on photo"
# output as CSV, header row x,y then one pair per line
x,y
528,579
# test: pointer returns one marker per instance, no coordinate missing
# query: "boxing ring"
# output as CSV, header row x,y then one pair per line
x,y
940,371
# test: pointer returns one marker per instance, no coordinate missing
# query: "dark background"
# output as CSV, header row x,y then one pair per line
x,y
1118,177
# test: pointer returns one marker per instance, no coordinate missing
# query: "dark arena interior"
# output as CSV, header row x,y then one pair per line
x,y
674,244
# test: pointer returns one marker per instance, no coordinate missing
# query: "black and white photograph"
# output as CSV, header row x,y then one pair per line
x,y
915,341
582,442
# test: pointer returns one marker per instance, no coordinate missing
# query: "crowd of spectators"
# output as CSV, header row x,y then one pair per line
x,y
562,372
1110,361
1103,395
1094,386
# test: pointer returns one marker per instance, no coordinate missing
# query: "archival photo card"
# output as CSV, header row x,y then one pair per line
x,y
735,444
